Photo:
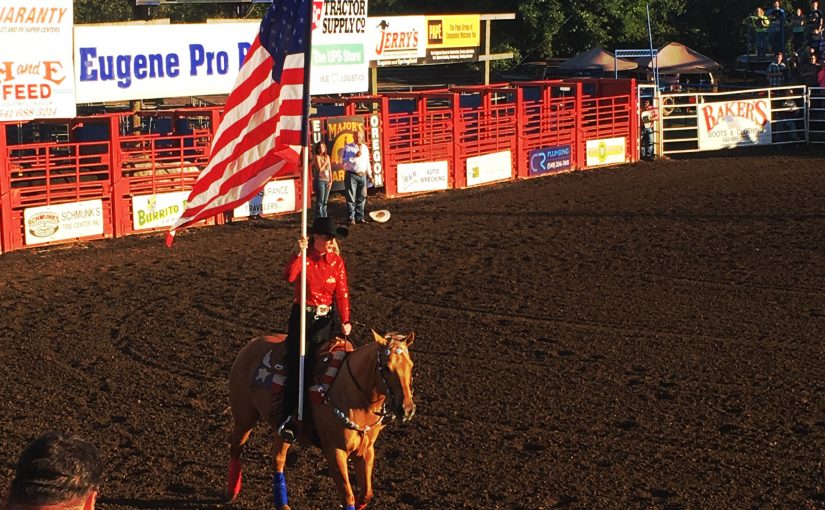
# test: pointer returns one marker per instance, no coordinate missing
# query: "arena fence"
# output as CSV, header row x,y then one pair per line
x,y
816,115
125,173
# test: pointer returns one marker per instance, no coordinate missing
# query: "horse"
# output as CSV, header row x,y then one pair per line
x,y
374,384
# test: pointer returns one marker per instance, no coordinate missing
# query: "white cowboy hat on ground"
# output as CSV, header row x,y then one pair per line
x,y
381,216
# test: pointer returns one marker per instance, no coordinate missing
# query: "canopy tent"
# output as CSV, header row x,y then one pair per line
x,y
596,59
677,58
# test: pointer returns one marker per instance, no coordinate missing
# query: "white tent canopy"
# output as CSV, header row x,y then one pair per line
x,y
597,59
677,58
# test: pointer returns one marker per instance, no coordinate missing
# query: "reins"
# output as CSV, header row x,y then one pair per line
x,y
382,413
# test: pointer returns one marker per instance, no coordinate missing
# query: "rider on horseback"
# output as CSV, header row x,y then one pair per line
x,y
326,282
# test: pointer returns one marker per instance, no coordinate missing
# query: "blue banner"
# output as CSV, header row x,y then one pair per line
x,y
550,160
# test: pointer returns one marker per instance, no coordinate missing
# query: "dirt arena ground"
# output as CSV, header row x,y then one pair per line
x,y
645,336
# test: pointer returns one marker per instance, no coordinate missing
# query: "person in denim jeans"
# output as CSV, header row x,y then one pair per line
x,y
356,159
321,178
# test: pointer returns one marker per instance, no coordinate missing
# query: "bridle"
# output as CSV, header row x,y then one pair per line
x,y
383,414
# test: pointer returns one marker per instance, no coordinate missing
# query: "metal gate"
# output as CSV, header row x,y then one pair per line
x,y
695,122
816,115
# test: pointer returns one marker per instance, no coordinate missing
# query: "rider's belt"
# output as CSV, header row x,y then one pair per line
x,y
320,310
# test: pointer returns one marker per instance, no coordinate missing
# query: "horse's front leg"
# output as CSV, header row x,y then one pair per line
x,y
337,461
363,468
279,492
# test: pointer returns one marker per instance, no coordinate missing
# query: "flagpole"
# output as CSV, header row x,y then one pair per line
x,y
305,134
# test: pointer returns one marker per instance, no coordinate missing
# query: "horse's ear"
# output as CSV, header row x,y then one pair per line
x,y
379,338
410,339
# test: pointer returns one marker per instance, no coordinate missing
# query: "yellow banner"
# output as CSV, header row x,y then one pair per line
x,y
454,31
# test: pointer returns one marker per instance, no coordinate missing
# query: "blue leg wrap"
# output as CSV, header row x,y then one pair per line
x,y
279,490
350,507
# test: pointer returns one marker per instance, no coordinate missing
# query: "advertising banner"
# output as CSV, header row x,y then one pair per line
x,y
550,160
117,63
340,132
396,40
426,176
339,36
276,197
489,167
51,223
729,124
606,151
36,80
156,211
453,38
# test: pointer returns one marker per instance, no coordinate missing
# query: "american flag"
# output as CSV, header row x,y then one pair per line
x,y
260,135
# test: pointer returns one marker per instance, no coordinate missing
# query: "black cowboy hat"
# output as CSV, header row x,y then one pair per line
x,y
328,227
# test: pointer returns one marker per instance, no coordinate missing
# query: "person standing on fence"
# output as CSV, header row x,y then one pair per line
x,y
776,30
55,471
321,178
648,117
777,70
356,160
799,25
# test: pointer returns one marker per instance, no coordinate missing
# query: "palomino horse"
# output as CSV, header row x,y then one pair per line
x,y
374,383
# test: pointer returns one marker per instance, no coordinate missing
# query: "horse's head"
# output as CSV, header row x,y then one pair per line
x,y
395,357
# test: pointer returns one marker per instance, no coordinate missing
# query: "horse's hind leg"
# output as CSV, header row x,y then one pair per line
x,y
241,427
279,492
363,469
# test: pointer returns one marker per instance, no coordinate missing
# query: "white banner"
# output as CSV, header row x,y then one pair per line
x,y
731,124
156,211
427,176
36,78
117,63
339,63
65,221
396,40
489,167
276,197
606,151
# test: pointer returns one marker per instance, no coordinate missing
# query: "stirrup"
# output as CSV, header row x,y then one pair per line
x,y
286,432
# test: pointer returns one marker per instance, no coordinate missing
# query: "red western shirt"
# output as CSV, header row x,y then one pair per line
x,y
326,279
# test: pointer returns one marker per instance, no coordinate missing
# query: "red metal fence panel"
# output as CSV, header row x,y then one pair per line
x,y
486,127
608,123
548,118
419,131
49,174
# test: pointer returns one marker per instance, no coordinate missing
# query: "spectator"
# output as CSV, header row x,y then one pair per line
x,y
808,71
815,21
793,68
820,77
356,160
56,471
760,23
777,70
321,178
776,31
817,42
799,24
648,115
